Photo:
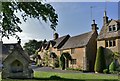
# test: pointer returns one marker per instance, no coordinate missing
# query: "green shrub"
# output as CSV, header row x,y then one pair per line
x,y
100,64
74,69
69,68
62,62
112,67
106,71
118,69
56,64
64,56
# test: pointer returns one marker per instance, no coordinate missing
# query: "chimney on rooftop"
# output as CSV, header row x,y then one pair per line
x,y
56,35
19,41
94,26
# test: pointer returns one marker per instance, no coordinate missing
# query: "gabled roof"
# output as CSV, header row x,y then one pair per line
x,y
78,41
104,34
60,41
52,42
7,49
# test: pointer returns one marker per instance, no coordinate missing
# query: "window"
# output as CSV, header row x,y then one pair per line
x,y
72,50
110,43
114,28
73,61
106,43
114,43
110,28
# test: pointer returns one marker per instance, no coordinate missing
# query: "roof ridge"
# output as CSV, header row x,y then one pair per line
x,y
82,34
78,40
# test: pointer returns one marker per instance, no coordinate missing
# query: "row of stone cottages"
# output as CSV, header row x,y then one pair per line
x,y
83,47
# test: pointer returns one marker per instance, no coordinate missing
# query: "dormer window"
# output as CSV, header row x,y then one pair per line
x,y
112,28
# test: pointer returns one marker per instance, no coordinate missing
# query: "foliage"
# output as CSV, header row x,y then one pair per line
x,y
62,60
56,63
31,46
117,54
106,71
64,56
46,58
100,64
36,9
112,67
118,69
55,59
75,69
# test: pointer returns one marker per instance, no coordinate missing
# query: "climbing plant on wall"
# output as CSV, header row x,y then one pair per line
x,y
64,57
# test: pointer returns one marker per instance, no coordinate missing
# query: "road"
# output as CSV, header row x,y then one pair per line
x,y
49,69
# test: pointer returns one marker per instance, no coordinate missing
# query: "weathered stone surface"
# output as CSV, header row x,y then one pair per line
x,y
15,62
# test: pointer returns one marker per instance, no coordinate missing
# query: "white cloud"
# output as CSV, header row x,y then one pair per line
x,y
25,37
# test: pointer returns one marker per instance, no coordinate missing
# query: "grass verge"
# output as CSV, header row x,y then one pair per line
x,y
53,76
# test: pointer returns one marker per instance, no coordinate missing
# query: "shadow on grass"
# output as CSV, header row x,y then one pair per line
x,y
56,78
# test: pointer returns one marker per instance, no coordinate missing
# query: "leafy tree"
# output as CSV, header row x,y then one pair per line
x,y
100,63
37,10
32,46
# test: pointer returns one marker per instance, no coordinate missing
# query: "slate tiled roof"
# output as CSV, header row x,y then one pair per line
x,y
7,49
61,40
55,43
78,41
104,34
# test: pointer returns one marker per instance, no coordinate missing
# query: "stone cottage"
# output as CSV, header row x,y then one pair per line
x,y
51,47
79,47
109,38
82,49
15,62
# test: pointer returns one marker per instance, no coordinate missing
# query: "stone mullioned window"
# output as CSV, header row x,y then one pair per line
x,y
110,43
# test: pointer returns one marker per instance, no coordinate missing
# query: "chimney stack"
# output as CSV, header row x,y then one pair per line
x,y
105,18
19,41
94,26
56,36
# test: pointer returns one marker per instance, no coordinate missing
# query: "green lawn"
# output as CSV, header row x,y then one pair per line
x,y
52,76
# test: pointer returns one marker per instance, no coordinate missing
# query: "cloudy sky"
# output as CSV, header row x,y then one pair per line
x,y
74,18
